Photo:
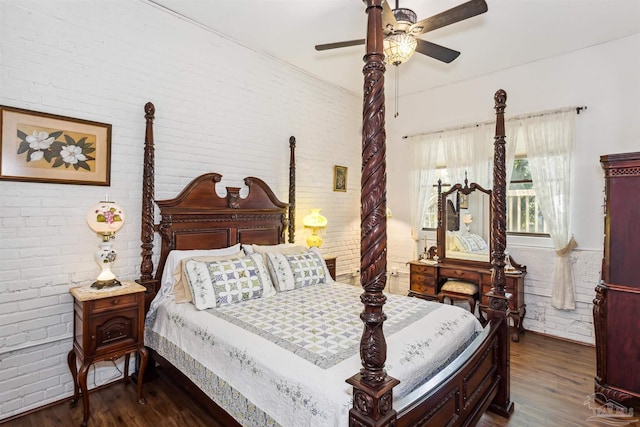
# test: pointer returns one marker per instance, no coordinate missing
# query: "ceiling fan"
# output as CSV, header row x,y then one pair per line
x,y
401,31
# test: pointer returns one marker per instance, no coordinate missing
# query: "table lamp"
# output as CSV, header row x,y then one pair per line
x,y
467,219
314,221
105,218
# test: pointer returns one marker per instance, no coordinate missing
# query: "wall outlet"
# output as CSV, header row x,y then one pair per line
x,y
355,272
394,271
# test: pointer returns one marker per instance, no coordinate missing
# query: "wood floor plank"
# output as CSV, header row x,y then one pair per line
x,y
550,380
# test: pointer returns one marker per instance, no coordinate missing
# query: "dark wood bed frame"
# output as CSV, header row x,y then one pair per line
x,y
198,218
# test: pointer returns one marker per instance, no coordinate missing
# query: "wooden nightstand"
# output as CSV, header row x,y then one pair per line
x,y
107,325
331,265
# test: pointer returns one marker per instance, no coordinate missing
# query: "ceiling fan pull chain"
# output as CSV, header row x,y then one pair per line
x,y
397,88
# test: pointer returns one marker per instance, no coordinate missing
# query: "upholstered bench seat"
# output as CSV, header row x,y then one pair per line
x,y
460,290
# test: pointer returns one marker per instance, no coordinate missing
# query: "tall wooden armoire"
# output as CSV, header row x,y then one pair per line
x,y
616,310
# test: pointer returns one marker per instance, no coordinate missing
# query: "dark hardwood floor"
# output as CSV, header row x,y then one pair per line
x,y
550,380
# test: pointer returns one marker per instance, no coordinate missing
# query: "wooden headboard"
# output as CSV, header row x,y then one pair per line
x,y
453,216
198,218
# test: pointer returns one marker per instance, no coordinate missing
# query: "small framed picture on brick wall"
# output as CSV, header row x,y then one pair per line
x,y
340,178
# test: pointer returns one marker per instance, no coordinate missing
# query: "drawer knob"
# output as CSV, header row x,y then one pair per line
x,y
116,301
93,337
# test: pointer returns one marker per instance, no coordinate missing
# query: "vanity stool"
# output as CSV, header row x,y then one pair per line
x,y
460,290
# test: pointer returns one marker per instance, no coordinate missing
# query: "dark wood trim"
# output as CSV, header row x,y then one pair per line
x,y
372,387
147,214
292,190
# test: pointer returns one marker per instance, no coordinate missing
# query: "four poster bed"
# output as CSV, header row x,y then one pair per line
x,y
278,351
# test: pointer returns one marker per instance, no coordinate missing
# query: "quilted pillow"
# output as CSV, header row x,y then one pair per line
x,y
297,270
226,282
175,256
181,289
469,242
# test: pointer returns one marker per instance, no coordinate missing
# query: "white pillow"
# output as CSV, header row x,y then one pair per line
x,y
469,242
296,270
226,282
263,249
175,256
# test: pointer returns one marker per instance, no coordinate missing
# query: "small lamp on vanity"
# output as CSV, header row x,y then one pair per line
x,y
105,218
467,219
314,221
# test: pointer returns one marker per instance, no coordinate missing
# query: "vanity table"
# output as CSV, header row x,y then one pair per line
x,y
425,280
463,252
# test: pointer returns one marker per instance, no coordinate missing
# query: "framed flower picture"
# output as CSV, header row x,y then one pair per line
x,y
43,147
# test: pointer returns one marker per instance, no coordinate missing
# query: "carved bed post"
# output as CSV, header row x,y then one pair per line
x,y
292,189
146,267
372,387
498,299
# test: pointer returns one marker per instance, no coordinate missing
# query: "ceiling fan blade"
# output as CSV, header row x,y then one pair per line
x,y
436,51
388,19
339,44
456,14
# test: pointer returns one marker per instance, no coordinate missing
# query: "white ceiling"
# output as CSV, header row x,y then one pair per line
x,y
511,33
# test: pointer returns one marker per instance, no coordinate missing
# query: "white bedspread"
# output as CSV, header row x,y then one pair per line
x,y
284,360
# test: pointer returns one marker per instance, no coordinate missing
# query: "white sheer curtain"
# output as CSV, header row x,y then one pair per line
x,y
469,150
424,150
458,146
484,138
549,143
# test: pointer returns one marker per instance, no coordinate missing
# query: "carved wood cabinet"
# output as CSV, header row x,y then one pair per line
x,y
617,303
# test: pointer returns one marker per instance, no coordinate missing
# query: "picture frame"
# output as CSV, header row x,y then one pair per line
x,y
42,147
340,178
464,201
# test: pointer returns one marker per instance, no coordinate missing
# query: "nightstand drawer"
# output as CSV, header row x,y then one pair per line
x,y
114,303
114,330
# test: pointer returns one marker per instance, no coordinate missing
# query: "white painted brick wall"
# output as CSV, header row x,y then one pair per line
x,y
220,107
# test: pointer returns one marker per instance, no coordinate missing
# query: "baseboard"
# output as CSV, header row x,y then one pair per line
x,y
586,344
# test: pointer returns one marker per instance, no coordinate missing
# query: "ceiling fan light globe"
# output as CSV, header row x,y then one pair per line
x,y
398,48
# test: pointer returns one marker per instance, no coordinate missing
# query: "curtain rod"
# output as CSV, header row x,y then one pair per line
x,y
520,117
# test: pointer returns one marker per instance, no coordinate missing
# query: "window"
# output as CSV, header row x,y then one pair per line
x,y
523,212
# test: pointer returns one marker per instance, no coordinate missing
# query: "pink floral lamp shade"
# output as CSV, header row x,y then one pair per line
x,y
105,218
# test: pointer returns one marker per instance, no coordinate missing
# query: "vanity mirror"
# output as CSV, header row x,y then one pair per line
x,y
464,223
